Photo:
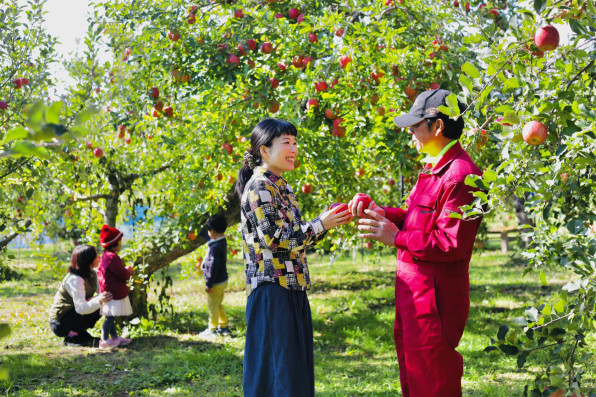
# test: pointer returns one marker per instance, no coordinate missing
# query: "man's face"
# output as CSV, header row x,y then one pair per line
x,y
422,135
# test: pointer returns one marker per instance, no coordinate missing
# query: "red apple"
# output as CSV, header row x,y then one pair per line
x,y
334,82
252,45
341,207
381,111
467,6
158,105
174,36
339,132
293,13
329,114
360,172
279,16
128,140
67,213
312,103
493,12
238,14
297,62
321,86
534,133
154,92
307,188
391,182
267,47
339,32
565,177
251,64
369,245
98,152
241,51
306,60
168,111
192,236
273,106
20,199
362,198
282,67
3,105
434,86
300,18
24,81
274,82
344,61
546,38
312,37
337,122
17,83
500,121
219,176
456,4
233,60
228,148
191,19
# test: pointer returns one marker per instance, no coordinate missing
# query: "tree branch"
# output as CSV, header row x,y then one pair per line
x,y
4,242
579,74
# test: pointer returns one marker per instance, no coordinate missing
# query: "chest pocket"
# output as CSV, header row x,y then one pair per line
x,y
422,213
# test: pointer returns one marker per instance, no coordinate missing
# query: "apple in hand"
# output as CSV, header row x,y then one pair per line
x,y
361,198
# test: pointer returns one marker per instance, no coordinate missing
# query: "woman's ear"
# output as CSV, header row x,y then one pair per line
x,y
264,153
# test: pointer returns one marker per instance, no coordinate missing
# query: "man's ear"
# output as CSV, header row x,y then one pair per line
x,y
439,127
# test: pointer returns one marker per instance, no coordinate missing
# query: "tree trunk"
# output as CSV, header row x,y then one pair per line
x,y
6,240
156,260
522,219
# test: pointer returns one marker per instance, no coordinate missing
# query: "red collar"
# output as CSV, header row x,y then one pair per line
x,y
453,152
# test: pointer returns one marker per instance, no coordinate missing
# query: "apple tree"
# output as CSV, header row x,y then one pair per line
x,y
532,93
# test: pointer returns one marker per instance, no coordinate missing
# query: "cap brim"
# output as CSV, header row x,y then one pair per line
x,y
406,120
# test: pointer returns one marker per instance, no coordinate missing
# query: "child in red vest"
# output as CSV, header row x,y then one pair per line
x,y
112,277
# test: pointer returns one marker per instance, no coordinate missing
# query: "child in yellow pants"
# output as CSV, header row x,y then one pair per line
x,y
216,276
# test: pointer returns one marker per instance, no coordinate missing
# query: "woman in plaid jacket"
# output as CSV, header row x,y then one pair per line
x,y
278,355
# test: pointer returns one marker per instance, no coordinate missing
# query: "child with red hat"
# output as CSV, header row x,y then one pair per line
x,y
112,277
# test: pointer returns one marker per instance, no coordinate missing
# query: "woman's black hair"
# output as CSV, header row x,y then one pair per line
x,y
81,260
262,135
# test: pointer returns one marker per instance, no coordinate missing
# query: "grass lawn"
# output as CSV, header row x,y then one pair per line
x,y
353,310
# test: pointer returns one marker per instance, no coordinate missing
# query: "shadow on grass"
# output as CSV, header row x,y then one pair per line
x,y
148,362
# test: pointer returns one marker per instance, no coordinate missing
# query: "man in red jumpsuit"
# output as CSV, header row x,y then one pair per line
x,y
432,288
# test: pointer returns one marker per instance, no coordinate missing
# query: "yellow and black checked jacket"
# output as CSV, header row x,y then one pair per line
x,y
274,235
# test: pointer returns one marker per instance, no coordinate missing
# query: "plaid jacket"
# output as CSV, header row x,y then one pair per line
x,y
274,235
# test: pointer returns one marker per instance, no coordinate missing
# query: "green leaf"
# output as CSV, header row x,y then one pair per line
x,y
4,330
539,6
521,321
509,350
85,115
503,329
466,82
30,149
470,70
445,110
489,175
452,103
521,359
35,115
542,278
490,348
16,133
53,113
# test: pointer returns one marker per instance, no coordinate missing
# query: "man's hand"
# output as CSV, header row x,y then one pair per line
x,y
208,290
377,227
358,210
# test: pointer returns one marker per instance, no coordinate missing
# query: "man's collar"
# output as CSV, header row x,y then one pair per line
x,y
278,180
434,160
451,154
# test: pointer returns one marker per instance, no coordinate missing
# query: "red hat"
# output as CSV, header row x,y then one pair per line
x,y
109,236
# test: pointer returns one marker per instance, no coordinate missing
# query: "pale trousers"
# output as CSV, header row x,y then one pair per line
x,y
217,313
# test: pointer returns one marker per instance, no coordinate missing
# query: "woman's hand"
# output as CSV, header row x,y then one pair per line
x,y
105,297
331,219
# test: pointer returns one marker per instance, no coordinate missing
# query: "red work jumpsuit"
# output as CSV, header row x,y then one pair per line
x,y
432,288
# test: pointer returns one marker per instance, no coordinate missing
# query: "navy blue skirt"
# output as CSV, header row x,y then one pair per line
x,y
278,353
